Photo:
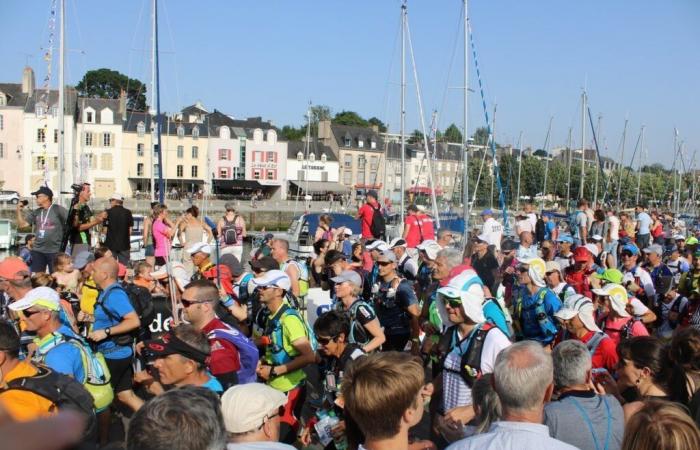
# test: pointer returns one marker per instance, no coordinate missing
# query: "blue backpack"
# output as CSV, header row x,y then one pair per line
x,y
247,351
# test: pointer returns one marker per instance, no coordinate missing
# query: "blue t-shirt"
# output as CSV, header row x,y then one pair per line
x,y
116,300
548,228
347,248
213,385
66,358
644,223
392,309
529,324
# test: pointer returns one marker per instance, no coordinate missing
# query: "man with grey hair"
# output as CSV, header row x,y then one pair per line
x,y
445,237
446,260
523,381
185,418
578,403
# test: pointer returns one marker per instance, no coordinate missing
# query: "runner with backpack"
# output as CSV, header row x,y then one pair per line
x,y
372,219
617,322
231,230
365,330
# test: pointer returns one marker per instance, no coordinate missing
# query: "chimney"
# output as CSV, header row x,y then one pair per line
x,y
324,130
28,84
122,104
375,128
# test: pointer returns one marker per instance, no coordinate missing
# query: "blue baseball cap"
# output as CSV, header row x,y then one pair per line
x,y
631,248
565,238
487,212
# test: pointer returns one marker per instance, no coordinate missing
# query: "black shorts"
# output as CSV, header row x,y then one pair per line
x,y
160,261
122,373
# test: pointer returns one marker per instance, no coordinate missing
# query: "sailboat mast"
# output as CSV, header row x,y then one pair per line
x,y
161,169
520,167
639,168
597,164
61,101
675,169
465,132
493,167
583,144
568,170
546,165
403,112
622,156
152,105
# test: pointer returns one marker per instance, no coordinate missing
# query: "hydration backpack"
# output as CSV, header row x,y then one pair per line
x,y
228,232
276,334
470,362
247,351
378,226
63,391
140,299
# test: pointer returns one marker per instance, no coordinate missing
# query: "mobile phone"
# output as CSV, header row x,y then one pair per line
x,y
24,202
598,373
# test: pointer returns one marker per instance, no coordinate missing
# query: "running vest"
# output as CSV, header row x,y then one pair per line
x,y
276,334
303,275
470,361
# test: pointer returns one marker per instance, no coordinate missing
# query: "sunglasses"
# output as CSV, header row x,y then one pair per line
x,y
27,313
384,263
325,340
187,303
626,254
523,269
279,413
453,302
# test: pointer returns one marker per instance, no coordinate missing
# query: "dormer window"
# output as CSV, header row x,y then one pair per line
x,y
324,157
224,133
300,156
180,131
3,99
347,140
312,157
195,133
361,141
372,144
90,118
141,129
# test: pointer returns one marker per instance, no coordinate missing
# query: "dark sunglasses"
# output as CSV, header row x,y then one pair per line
x,y
188,303
28,313
384,263
452,301
523,269
626,254
325,340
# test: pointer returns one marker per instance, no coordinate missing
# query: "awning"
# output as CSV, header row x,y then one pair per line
x,y
424,190
237,184
320,186
169,180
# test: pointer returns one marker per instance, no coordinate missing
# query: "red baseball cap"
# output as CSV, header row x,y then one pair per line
x,y
581,254
13,268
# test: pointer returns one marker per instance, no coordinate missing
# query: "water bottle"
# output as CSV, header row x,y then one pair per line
x,y
340,442
323,428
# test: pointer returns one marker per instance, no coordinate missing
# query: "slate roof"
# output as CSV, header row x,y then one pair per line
x,y
444,152
317,148
356,134
70,100
14,94
98,104
241,128
169,125
194,109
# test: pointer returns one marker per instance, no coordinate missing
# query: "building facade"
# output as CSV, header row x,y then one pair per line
x,y
13,99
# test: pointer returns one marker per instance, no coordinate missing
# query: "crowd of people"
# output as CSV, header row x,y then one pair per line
x,y
575,333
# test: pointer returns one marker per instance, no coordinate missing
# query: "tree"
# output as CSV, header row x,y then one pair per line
x,y
107,83
290,133
350,118
378,123
452,134
415,137
481,136
319,113
541,153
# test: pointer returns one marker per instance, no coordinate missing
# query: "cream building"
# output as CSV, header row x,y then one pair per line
x,y
13,99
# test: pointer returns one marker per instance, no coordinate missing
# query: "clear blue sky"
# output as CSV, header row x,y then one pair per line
x,y
639,59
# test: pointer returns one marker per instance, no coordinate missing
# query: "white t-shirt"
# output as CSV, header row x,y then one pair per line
x,y
524,225
532,217
614,227
645,281
454,383
493,232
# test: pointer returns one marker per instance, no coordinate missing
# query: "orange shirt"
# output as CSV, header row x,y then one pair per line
x,y
23,406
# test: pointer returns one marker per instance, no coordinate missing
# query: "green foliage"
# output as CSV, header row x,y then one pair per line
x,y
539,152
378,123
415,137
480,136
289,133
107,83
452,134
350,118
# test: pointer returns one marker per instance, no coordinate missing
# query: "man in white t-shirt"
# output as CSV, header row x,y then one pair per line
x,y
531,216
523,223
580,232
612,234
492,230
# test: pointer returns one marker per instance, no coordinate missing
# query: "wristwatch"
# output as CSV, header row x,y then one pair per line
x,y
108,331
273,372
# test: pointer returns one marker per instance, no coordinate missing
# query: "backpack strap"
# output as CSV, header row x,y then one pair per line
x,y
595,341
101,303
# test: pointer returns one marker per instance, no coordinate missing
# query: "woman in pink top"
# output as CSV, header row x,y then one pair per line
x,y
162,233
618,323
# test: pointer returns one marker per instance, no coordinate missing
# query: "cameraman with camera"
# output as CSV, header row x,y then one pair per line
x,y
82,219
49,221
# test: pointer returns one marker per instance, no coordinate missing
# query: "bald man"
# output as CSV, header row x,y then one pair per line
x,y
115,319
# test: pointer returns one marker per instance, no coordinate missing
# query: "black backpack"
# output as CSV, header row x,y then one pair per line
x,y
142,302
229,232
378,226
539,230
64,392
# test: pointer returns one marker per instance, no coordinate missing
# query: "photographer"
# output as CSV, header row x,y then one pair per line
x,y
119,224
49,221
82,219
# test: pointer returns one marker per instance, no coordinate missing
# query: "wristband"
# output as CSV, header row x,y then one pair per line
x,y
227,301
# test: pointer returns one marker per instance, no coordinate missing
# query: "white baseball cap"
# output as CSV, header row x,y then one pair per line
x,y
117,196
377,244
246,406
274,278
178,271
199,247
578,305
618,297
41,296
430,247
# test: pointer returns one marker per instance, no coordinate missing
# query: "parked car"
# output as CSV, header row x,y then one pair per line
x,y
9,197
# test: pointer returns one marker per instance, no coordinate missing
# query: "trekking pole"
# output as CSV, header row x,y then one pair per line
x,y
172,286
210,223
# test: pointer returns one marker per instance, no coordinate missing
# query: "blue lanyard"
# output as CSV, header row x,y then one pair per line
x,y
590,425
